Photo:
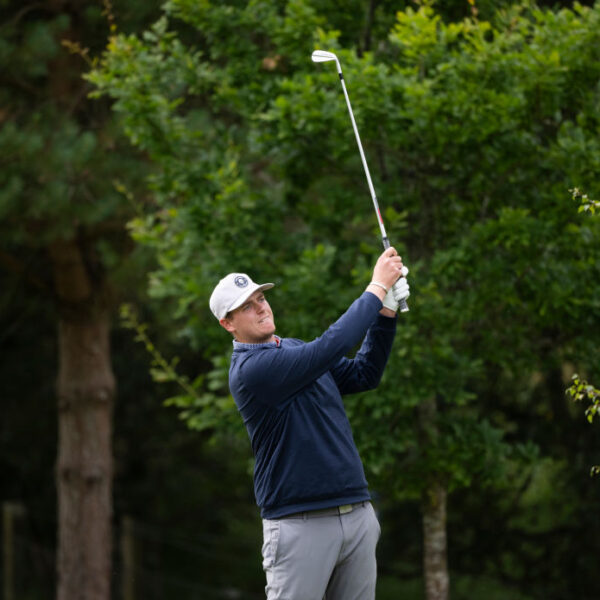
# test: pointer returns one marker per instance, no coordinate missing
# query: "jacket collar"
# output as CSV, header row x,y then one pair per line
x,y
242,346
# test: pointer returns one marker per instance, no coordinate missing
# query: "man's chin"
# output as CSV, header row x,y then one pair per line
x,y
259,338
269,337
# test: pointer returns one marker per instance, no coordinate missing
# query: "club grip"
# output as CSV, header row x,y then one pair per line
x,y
402,305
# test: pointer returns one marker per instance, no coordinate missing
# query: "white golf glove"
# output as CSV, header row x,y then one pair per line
x,y
399,291
389,301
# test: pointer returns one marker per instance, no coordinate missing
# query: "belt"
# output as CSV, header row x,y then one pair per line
x,y
334,511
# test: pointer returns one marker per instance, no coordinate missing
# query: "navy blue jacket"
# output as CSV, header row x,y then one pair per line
x,y
289,394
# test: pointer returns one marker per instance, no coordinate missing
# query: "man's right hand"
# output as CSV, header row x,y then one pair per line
x,y
388,268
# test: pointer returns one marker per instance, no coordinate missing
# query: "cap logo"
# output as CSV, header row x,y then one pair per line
x,y
240,281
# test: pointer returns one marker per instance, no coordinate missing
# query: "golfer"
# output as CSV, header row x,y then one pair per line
x,y
320,530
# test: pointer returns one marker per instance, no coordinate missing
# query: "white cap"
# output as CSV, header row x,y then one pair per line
x,y
232,291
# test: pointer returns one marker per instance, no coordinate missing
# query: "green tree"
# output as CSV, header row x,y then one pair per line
x,y
580,390
63,232
473,130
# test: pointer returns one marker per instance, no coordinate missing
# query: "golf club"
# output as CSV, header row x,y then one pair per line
x,y
323,56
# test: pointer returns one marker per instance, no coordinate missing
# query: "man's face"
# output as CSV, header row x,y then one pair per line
x,y
252,322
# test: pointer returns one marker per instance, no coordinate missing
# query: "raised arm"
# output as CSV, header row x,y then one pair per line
x,y
277,373
364,371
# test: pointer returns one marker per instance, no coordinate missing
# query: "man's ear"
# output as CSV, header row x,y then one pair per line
x,y
227,324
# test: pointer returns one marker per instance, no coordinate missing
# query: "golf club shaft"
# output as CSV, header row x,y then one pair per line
x,y
365,166
403,306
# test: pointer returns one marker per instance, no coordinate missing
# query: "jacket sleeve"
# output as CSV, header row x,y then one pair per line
x,y
365,370
276,374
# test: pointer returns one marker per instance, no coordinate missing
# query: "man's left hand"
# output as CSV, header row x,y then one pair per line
x,y
401,289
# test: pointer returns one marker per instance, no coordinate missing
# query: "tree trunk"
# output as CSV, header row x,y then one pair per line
x,y
433,510
435,564
85,389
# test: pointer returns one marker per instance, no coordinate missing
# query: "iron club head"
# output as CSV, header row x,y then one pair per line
x,y
323,56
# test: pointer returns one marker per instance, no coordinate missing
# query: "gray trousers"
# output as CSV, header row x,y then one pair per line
x,y
317,556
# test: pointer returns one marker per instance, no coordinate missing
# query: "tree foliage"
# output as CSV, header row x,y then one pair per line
x,y
473,129
581,390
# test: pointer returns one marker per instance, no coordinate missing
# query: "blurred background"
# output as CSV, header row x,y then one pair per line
x,y
148,148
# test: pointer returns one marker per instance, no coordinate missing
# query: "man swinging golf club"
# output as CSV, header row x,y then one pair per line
x,y
320,530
